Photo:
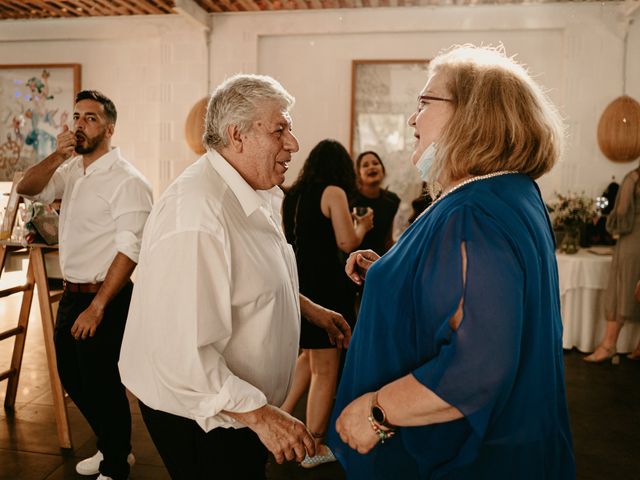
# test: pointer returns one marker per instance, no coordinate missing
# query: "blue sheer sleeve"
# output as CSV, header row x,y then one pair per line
x,y
476,365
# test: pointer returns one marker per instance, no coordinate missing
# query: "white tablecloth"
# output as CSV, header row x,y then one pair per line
x,y
582,279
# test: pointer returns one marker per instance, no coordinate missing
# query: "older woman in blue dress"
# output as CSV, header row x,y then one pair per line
x,y
455,369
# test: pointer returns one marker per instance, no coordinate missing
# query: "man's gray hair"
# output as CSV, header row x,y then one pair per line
x,y
237,101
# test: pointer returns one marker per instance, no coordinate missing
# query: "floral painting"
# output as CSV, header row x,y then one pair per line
x,y
35,101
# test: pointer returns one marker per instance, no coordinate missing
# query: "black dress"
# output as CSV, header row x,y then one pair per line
x,y
384,209
320,262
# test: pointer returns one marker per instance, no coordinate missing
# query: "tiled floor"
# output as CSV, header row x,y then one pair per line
x,y
604,402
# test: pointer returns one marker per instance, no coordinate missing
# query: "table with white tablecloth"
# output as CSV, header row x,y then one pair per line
x,y
583,279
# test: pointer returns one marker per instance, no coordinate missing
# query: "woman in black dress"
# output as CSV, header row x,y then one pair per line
x,y
319,226
371,172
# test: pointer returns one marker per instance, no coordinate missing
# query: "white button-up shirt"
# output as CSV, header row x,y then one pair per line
x,y
103,212
215,316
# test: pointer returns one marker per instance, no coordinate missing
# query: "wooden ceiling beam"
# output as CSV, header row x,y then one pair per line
x,y
14,11
77,8
248,5
102,8
91,7
108,8
207,5
124,8
47,6
66,10
145,7
226,5
25,11
165,6
210,6
230,5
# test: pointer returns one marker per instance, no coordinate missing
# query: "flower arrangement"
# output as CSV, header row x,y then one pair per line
x,y
572,210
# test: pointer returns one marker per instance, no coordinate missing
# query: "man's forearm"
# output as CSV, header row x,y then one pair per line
x,y
117,276
37,176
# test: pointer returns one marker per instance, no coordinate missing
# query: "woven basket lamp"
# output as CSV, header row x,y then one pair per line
x,y
194,126
619,130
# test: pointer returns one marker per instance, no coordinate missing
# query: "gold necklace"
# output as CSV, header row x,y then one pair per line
x,y
466,182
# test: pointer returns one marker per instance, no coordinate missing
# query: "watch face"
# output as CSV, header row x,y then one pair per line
x,y
377,414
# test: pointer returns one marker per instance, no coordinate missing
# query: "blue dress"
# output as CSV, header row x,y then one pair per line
x,y
503,367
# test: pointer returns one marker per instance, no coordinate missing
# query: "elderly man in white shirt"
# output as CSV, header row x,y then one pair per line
x,y
105,204
212,335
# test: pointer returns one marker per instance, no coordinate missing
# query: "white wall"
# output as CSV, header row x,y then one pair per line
x,y
154,69
574,50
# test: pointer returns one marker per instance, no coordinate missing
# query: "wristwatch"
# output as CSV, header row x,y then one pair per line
x,y
378,414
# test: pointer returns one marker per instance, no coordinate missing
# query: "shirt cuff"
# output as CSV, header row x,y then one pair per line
x,y
128,244
236,395
46,196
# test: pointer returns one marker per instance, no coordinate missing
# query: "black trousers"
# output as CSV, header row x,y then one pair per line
x,y
190,453
89,373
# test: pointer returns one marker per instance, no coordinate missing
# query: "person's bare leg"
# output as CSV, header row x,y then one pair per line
x,y
607,347
301,379
324,365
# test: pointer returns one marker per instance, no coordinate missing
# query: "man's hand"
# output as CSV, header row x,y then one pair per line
x,y
358,263
284,436
332,322
37,176
66,143
87,323
353,425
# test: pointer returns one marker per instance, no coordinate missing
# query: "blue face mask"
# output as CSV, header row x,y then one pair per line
x,y
426,160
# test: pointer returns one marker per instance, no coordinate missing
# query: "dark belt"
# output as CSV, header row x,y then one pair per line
x,y
82,287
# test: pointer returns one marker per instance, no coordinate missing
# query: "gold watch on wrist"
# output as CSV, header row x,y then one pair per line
x,y
379,415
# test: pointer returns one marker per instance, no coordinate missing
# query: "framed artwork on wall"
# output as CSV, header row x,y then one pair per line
x,y
35,101
383,96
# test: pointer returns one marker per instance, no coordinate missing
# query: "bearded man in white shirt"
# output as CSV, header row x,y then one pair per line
x,y
212,335
105,204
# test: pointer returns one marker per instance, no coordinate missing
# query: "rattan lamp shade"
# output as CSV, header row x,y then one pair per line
x,y
619,130
194,126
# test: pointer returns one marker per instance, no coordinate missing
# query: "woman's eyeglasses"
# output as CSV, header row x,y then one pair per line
x,y
426,98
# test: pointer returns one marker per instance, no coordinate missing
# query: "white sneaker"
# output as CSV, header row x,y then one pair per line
x,y
91,465
102,477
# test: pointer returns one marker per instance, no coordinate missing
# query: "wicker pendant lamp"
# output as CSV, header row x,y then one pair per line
x,y
619,125
619,130
194,126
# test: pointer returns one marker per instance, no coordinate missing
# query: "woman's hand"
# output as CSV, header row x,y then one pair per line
x,y
364,221
358,263
353,425
334,323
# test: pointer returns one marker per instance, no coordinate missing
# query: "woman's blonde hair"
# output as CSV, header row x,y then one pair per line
x,y
502,119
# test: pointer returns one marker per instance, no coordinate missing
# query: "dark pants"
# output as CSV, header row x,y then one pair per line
x,y
190,453
89,373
